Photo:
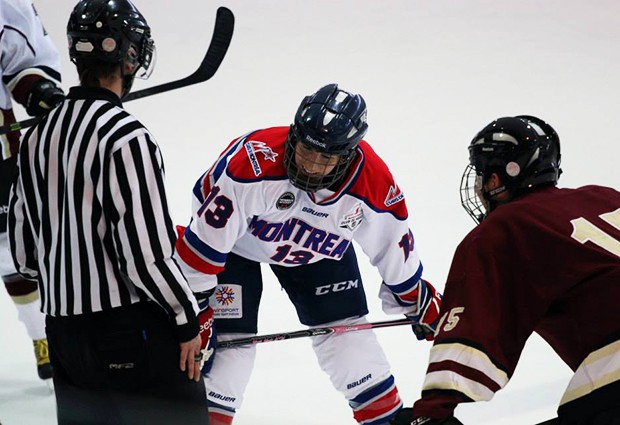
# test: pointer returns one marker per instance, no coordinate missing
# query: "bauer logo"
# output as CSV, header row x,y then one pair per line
x,y
285,201
228,399
359,381
226,302
314,213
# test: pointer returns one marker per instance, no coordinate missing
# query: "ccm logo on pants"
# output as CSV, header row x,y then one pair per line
x,y
337,287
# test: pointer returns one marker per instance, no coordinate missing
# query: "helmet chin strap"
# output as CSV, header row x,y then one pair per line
x,y
496,191
127,83
490,203
127,80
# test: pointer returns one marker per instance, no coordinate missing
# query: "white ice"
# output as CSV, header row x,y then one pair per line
x,y
433,73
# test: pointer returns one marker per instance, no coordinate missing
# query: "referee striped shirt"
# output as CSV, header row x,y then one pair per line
x,y
88,214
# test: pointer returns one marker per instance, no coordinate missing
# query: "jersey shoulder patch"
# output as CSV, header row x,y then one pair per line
x,y
376,186
260,156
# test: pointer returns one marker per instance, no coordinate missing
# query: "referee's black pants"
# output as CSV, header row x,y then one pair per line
x,y
121,366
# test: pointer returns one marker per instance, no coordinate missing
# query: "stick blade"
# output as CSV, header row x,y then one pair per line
x,y
220,41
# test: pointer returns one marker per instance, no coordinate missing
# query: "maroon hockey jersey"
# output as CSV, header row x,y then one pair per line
x,y
548,262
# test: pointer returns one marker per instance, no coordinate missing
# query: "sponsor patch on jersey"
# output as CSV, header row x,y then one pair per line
x,y
226,301
253,147
352,220
285,201
394,196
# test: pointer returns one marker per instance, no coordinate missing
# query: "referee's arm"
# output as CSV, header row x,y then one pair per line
x,y
144,233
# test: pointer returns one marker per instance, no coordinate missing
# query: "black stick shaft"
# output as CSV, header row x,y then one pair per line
x,y
310,332
553,421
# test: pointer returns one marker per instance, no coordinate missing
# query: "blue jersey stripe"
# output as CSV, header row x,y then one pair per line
x,y
214,256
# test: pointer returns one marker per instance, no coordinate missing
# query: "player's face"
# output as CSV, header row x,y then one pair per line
x,y
313,163
481,186
487,187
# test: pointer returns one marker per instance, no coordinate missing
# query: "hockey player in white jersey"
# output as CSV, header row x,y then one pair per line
x,y
295,198
30,70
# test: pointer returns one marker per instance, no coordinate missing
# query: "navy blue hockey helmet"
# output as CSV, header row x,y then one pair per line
x,y
111,31
523,150
333,122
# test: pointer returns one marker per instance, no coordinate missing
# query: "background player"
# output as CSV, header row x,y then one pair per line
x,y
30,71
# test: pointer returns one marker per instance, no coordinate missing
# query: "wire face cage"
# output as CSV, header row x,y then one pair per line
x,y
471,194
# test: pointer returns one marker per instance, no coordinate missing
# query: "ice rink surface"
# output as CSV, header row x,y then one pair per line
x,y
433,73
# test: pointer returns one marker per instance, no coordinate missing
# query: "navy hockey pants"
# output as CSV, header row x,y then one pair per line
x,y
322,292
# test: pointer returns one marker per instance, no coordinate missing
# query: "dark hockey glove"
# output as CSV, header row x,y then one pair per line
x,y
207,331
44,95
425,320
405,417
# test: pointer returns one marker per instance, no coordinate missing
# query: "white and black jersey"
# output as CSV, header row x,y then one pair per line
x,y
28,55
88,215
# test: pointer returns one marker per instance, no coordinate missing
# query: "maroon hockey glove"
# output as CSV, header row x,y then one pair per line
x,y
44,95
426,319
405,417
209,339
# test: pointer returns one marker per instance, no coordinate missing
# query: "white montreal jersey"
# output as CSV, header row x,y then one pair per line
x,y
246,204
26,48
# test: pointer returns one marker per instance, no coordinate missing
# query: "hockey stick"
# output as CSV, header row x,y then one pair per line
x,y
222,35
310,332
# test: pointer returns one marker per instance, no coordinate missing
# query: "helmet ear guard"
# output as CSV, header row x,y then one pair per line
x,y
523,150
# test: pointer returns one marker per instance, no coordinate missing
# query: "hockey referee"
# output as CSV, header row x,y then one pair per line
x,y
89,222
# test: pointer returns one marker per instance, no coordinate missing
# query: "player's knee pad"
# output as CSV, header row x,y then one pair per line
x,y
228,378
354,361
